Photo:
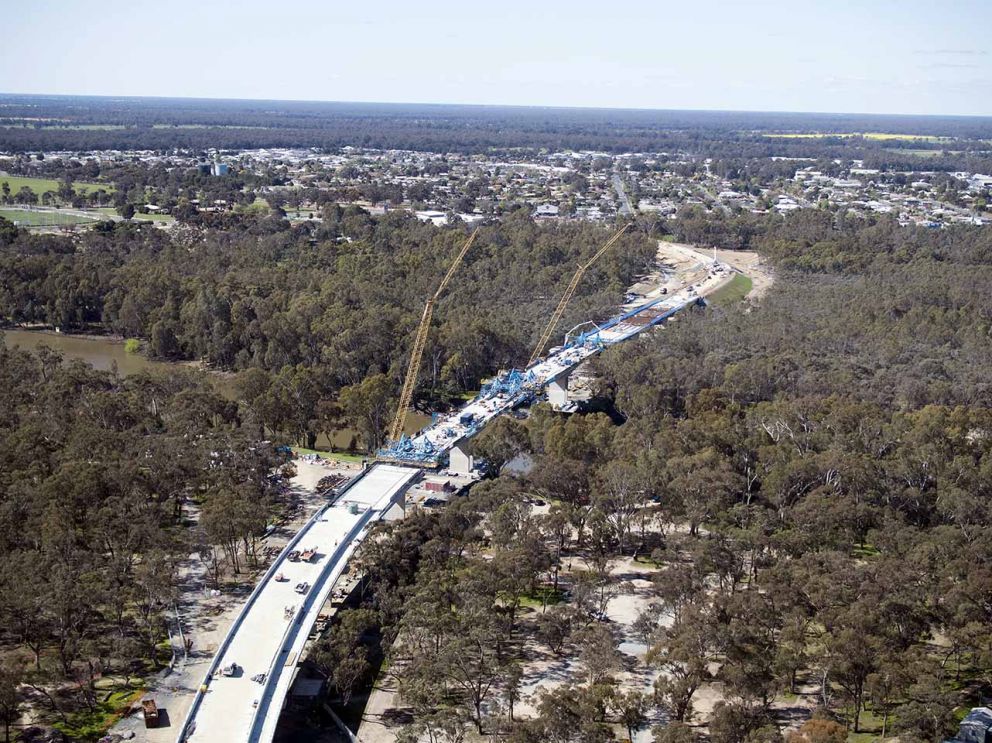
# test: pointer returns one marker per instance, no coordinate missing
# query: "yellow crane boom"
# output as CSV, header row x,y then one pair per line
x,y
420,342
569,293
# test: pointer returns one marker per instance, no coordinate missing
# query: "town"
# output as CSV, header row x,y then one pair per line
x,y
593,186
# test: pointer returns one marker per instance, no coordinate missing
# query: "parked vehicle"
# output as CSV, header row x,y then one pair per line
x,y
149,711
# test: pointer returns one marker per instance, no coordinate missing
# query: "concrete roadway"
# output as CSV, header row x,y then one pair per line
x,y
448,430
626,209
263,639
272,629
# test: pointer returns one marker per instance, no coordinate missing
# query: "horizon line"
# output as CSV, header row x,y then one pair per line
x,y
500,105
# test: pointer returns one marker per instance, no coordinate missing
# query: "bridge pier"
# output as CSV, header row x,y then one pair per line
x,y
460,461
558,391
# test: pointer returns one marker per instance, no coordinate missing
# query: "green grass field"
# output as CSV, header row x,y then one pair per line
x,y
918,153
90,725
734,291
40,185
42,219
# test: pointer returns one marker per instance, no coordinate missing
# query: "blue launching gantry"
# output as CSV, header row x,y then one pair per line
x,y
509,385
407,450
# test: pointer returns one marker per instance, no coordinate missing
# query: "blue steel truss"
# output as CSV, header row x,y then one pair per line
x,y
515,387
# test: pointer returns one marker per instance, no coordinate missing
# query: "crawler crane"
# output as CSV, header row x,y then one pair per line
x,y
420,342
567,296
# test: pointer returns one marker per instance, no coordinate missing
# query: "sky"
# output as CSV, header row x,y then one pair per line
x,y
867,56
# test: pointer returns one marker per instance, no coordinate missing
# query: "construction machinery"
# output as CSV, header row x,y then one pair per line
x,y
420,342
569,293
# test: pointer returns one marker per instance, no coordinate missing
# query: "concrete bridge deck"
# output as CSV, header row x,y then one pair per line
x,y
268,639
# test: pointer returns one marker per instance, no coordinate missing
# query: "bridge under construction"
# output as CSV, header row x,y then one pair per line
x,y
246,684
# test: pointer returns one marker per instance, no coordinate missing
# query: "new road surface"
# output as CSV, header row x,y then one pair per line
x,y
245,686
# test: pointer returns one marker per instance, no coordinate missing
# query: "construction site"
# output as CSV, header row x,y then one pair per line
x,y
246,684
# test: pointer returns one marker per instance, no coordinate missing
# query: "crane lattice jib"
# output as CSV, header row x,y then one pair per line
x,y
420,342
569,293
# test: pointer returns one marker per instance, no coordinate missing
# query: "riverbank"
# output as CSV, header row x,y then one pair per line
x,y
98,333
103,350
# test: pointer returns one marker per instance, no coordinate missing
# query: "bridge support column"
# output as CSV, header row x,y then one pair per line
x,y
558,391
460,461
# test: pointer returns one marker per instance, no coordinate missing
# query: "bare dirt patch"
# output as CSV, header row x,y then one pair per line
x,y
689,261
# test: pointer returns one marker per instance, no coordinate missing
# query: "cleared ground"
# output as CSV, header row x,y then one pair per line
x,y
207,618
269,635
682,258
679,266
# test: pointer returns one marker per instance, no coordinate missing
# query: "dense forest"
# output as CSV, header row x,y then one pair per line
x,y
800,486
52,123
98,476
317,307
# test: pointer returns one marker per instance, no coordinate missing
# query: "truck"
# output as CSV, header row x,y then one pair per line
x,y
149,710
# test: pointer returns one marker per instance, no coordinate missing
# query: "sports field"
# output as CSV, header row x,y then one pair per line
x,y
28,218
40,185
138,216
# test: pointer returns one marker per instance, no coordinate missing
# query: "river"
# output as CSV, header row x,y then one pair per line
x,y
102,353
98,351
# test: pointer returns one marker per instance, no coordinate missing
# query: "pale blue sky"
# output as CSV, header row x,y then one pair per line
x,y
876,56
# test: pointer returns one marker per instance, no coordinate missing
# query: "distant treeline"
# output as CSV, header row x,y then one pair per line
x,y
32,123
